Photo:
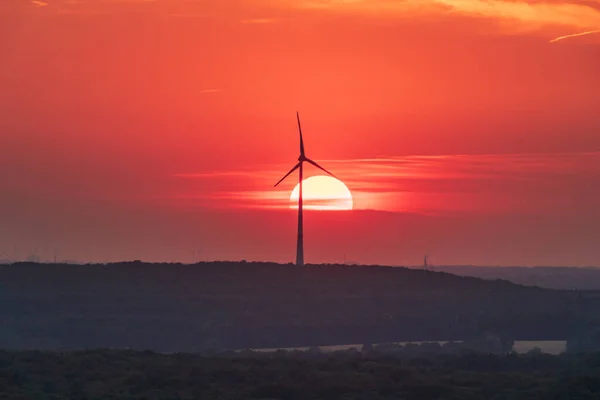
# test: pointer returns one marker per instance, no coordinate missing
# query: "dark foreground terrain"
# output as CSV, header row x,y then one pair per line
x,y
105,374
218,306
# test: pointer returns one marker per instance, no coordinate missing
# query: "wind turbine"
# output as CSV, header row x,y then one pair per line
x,y
299,166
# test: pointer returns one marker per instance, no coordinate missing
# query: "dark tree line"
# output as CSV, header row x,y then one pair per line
x,y
105,374
174,307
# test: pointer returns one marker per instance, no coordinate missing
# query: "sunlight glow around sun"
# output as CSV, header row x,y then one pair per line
x,y
322,192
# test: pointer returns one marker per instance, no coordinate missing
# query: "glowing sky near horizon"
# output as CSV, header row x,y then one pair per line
x,y
147,128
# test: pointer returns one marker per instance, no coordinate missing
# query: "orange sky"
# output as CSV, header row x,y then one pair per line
x,y
143,129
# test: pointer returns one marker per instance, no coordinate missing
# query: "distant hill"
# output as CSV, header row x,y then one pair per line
x,y
569,278
174,307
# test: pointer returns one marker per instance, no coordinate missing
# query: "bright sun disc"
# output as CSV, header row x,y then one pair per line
x,y
322,193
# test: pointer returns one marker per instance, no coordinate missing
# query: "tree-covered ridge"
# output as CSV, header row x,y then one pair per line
x,y
567,278
105,374
174,307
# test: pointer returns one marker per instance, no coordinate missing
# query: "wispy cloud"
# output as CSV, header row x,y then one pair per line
x,y
523,14
530,12
423,184
38,3
533,14
211,90
573,36
218,174
258,21
187,15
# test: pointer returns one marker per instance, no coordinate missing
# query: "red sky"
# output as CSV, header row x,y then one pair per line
x,y
140,129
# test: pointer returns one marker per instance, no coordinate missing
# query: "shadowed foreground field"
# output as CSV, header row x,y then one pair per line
x,y
107,374
219,306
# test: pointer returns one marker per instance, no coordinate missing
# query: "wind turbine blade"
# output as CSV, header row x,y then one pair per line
x,y
318,166
300,130
288,174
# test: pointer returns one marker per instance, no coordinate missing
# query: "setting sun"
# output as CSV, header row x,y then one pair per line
x,y
323,193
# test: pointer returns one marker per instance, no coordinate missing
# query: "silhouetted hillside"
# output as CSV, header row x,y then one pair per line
x,y
174,307
567,278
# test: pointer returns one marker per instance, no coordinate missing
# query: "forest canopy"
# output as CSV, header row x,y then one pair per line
x,y
221,306
103,374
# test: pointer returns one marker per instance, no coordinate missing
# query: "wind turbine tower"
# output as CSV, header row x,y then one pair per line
x,y
299,166
427,263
